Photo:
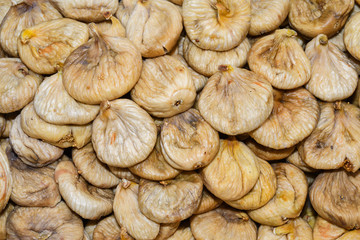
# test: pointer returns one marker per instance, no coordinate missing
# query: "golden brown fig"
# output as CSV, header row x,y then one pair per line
x,y
3,218
171,200
225,89
335,196
154,26
188,142
280,59
17,85
21,15
333,77
296,159
105,68
59,135
233,172
123,133
165,87
351,35
267,15
88,201
124,173
108,228
266,153
178,2
324,230
208,202
263,190
6,181
286,126
128,214
297,229
182,233
217,25
334,143
57,222
86,11
289,199
312,18
92,169
223,223
31,151
207,62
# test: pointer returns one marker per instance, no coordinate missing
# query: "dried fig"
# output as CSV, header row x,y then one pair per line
x,y
2,124
351,34
182,233
108,228
267,153
228,87
208,202
324,230
124,173
165,87
166,230
3,219
6,181
112,26
296,159
4,8
338,40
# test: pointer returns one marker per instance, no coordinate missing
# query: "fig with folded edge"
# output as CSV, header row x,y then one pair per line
x,y
267,153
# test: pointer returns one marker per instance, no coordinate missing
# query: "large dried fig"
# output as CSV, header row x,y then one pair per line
x,y
6,181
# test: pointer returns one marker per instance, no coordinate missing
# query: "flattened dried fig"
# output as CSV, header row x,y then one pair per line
x,y
280,59
165,87
225,89
217,25
266,153
6,181
208,202
171,200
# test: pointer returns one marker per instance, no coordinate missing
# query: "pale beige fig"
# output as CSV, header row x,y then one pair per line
x,y
217,25
85,10
208,202
54,105
333,77
124,173
338,40
31,151
57,222
267,15
128,214
43,48
223,223
267,153
263,190
286,127
17,85
289,199
294,229
6,181
4,8
188,142
3,219
312,18
155,167
170,201
62,136
324,230
123,133
92,169
104,68
225,89
207,62
296,159
233,172
165,87
154,26
21,15
335,196
280,59
334,143
166,230
2,124
86,200
112,26
108,228
351,34
182,233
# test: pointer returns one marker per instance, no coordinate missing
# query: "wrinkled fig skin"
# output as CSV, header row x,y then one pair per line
x,y
108,228
128,214
233,172
90,226
188,142
17,85
261,193
217,25
112,27
311,18
268,154
31,151
334,143
4,8
92,169
62,136
154,26
351,34
86,10
21,16
286,126
208,202
324,230
172,200
223,223
86,200
289,199
207,62
182,233
224,89
166,230
3,219
335,197
333,76
124,173
58,222
280,59
296,159
6,181
165,87
123,133
105,68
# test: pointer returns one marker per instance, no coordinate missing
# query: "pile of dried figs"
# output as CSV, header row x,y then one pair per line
x,y
180,119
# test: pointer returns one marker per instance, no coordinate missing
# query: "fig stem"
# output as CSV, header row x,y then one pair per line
x,y
26,35
323,40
